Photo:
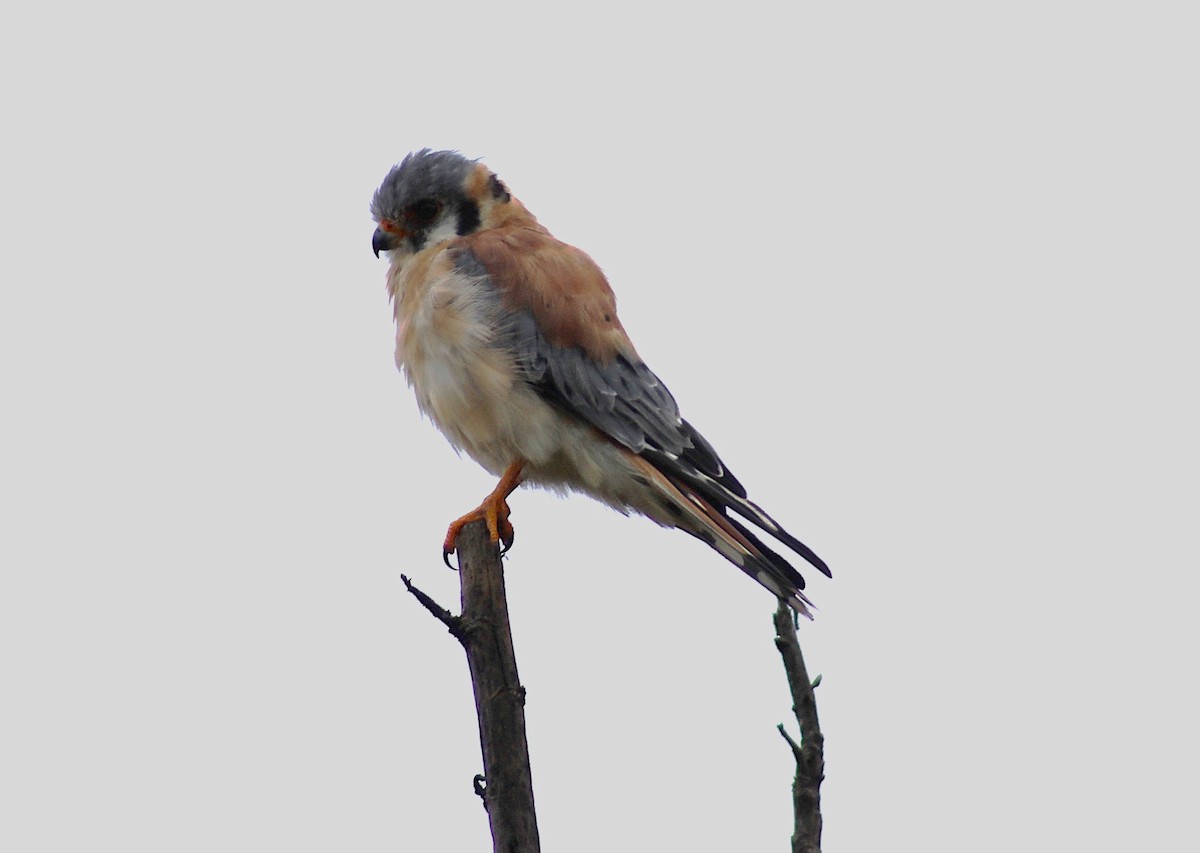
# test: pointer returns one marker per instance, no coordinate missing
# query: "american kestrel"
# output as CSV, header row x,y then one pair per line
x,y
510,339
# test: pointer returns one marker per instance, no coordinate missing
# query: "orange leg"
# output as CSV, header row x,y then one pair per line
x,y
494,510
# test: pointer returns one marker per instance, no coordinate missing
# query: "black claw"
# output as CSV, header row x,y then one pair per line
x,y
446,559
479,783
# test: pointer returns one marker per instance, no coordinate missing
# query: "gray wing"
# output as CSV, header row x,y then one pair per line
x,y
621,398
628,403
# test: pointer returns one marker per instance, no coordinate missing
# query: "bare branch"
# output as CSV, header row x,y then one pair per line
x,y
452,622
506,784
796,753
810,752
499,696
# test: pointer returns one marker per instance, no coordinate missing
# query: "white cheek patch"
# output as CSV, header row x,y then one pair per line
x,y
446,229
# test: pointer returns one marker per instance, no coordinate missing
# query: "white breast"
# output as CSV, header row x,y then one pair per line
x,y
446,345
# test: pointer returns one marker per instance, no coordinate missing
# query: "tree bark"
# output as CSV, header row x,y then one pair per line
x,y
810,752
483,629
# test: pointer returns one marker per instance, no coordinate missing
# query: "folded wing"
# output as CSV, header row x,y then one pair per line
x,y
566,339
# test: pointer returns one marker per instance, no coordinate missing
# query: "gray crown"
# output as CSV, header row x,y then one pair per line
x,y
423,174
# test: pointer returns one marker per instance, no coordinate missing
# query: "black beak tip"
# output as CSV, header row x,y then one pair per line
x,y
380,242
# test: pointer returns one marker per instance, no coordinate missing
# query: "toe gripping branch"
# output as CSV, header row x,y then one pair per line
x,y
494,510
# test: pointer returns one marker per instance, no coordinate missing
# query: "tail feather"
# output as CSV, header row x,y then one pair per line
x,y
759,562
720,495
731,539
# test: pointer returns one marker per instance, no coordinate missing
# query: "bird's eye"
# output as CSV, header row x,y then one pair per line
x,y
425,211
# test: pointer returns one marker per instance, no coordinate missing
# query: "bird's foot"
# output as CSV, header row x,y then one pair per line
x,y
494,510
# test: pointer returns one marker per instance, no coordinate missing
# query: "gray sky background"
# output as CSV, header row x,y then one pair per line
x,y
923,273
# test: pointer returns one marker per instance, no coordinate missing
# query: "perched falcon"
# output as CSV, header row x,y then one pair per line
x,y
510,339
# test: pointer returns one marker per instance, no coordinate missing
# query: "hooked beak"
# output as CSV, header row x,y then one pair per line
x,y
382,241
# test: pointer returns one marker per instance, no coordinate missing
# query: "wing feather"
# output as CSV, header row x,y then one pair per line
x,y
563,333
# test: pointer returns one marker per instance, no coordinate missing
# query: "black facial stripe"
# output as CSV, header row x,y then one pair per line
x,y
468,217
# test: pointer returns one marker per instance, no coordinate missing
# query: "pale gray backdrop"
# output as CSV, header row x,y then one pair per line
x,y
923,273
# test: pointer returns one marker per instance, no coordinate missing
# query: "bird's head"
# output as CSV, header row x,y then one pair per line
x,y
431,197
